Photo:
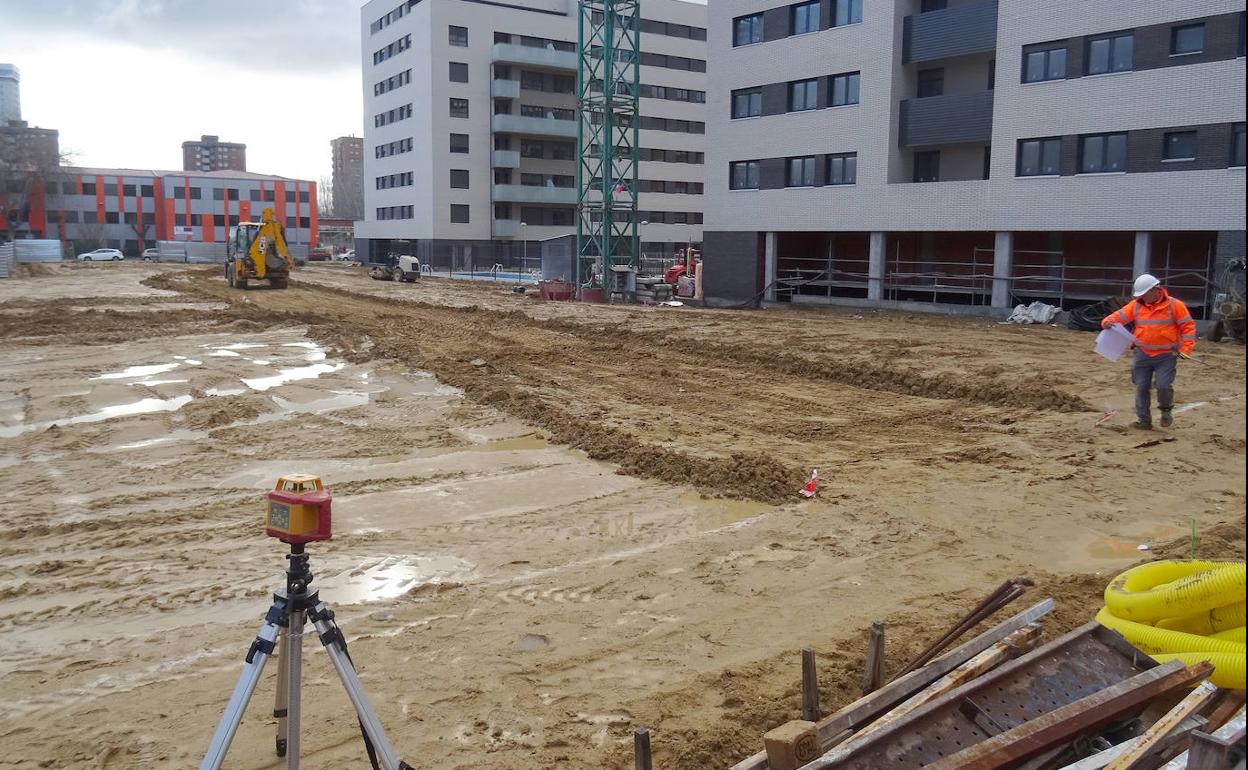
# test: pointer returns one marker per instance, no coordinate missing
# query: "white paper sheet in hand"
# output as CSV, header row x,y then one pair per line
x,y
1114,341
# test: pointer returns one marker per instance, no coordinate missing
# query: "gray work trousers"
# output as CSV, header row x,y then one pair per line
x,y
1143,370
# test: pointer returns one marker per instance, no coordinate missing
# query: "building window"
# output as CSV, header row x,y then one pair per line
x,y
931,82
459,143
801,172
457,36
1040,156
89,218
88,188
459,72
844,89
1111,53
196,192
747,103
459,108
1179,145
1046,61
1237,145
927,166
805,18
803,95
1103,153
743,175
843,168
747,29
459,178
218,193
111,218
847,12
562,151
459,214
1189,38
128,190
927,6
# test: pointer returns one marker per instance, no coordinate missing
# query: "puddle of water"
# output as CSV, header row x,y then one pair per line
x,y
222,353
342,399
713,513
531,642
393,576
138,371
160,382
238,346
260,361
291,375
315,351
145,406
12,410
518,443
1125,546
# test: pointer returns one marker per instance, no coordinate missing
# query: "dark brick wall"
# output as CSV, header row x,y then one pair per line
x,y
775,98
1231,246
1145,149
771,173
1152,45
776,23
733,263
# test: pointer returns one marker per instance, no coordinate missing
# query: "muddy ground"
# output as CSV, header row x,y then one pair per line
x,y
552,521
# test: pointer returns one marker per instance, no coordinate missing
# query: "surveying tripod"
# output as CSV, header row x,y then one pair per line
x,y
283,631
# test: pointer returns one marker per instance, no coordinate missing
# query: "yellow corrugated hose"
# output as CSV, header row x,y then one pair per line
x,y
1190,611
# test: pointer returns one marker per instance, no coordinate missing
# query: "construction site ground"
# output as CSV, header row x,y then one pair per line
x,y
553,521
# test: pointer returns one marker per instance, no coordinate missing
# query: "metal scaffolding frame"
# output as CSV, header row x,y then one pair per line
x,y
607,78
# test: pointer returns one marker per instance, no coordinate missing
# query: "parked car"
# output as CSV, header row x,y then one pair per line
x,y
346,256
151,255
102,255
320,254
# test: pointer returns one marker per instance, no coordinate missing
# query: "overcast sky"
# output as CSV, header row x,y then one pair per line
x,y
127,81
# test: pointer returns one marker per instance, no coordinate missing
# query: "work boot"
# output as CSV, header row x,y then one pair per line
x,y
1142,425
1167,418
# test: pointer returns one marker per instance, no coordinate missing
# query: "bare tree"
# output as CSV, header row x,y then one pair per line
x,y
31,163
325,197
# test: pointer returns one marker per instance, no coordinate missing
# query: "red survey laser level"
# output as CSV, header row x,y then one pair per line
x,y
298,510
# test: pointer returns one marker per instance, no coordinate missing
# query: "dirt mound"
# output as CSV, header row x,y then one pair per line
x,y
215,412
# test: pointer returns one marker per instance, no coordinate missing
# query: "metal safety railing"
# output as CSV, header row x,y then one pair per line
x,y
827,276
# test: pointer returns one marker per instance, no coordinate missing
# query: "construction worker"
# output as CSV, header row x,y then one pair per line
x,y
1164,330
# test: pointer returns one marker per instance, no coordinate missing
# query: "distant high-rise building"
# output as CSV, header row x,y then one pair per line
x,y
348,180
212,154
10,94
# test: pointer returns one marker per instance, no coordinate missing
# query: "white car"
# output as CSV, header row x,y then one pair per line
x,y
346,256
102,255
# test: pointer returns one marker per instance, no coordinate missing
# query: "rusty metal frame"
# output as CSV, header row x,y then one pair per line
x,y
1075,666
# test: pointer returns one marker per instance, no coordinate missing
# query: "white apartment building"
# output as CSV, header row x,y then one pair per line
x,y
972,153
470,128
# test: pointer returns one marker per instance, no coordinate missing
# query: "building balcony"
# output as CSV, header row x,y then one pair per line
x,y
520,124
505,89
953,119
505,228
505,159
510,53
518,193
959,31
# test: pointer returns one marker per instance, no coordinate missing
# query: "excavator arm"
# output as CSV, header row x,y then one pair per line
x,y
270,232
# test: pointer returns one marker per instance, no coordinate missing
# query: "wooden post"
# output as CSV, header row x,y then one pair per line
x,y
810,686
1208,752
873,672
641,749
1195,701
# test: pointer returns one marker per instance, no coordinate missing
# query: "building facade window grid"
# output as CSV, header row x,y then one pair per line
x,y
842,169
1111,53
747,29
1179,145
1044,61
1103,153
801,172
1039,157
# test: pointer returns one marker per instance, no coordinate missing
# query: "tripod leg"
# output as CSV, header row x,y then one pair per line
x,y
279,701
294,676
335,645
261,648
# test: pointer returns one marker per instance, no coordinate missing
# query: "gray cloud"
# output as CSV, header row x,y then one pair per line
x,y
306,36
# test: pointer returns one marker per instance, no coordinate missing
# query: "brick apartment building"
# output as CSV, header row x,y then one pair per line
x,y
212,154
348,177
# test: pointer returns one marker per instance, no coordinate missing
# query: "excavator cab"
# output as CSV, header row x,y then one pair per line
x,y
257,251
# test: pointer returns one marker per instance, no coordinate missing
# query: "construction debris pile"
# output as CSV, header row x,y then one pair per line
x,y
1007,699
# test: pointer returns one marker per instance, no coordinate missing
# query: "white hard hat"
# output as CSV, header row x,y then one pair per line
x,y
1144,284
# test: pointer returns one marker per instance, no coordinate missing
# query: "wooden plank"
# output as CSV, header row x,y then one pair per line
x,y
1067,722
1234,730
641,750
835,728
1195,701
810,686
873,671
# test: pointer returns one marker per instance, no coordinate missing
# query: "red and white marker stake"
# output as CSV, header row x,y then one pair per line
x,y
812,486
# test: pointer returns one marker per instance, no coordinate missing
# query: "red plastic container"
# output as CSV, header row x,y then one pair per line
x,y
557,290
592,295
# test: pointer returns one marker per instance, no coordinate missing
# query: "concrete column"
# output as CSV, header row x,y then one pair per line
x,y
1143,250
875,267
769,267
1002,266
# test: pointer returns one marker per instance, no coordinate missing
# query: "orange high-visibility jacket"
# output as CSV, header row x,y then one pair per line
x,y
1165,326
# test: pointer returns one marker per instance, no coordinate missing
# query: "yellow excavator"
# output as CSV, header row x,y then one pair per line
x,y
257,251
